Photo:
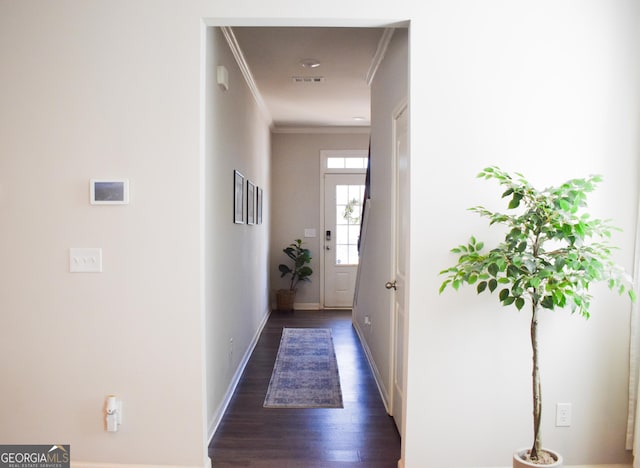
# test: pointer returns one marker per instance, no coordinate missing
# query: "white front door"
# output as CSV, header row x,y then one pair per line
x,y
399,280
343,195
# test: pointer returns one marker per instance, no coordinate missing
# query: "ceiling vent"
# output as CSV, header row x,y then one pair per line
x,y
308,79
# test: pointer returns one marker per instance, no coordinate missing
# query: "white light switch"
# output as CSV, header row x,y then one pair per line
x,y
85,260
309,232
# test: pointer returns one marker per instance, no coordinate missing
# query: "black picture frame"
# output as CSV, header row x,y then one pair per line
x,y
251,202
259,197
238,197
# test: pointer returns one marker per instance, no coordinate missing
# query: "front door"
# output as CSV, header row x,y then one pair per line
x,y
342,214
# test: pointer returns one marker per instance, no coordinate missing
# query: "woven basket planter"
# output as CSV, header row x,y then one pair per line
x,y
285,299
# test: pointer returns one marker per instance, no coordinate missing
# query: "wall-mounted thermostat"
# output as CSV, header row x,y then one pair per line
x,y
109,192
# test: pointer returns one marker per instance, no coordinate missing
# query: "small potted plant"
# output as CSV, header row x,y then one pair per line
x,y
550,255
299,271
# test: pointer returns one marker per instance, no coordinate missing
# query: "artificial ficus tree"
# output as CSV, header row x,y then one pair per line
x,y
551,253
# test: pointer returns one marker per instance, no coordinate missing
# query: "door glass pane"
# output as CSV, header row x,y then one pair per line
x,y
348,163
348,212
342,194
355,163
335,163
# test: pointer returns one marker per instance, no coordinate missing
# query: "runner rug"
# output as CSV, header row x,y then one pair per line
x,y
305,374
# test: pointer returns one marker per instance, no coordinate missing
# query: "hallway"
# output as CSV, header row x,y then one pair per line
x,y
359,435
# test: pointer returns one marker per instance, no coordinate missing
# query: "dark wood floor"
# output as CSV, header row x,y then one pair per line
x,y
359,435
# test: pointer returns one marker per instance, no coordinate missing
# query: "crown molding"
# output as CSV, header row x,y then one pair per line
x,y
246,72
320,129
383,45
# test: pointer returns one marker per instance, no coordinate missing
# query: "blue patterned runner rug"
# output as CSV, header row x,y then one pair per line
x,y
305,374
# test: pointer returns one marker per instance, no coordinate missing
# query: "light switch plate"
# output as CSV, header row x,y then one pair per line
x,y
85,260
309,232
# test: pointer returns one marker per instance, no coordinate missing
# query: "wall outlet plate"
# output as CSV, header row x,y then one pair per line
x,y
563,414
85,260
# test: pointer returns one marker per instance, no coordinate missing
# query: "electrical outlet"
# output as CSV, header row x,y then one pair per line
x,y
563,414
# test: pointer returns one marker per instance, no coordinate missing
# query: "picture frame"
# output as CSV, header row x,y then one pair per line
x,y
259,196
251,202
109,191
238,197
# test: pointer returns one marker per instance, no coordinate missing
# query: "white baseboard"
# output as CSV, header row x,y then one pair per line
x,y
301,306
217,418
374,369
306,305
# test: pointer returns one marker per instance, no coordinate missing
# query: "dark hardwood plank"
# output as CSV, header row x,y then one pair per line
x,y
361,434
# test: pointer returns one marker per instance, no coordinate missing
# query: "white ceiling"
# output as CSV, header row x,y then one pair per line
x,y
347,56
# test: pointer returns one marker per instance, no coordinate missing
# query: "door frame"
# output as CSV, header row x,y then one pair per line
x,y
324,154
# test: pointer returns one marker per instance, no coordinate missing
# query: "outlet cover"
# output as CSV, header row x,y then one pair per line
x,y
85,260
563,414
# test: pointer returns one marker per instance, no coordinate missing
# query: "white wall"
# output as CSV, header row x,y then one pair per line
x,y
111,88
296,199
101,89
389,90
549,89
236,270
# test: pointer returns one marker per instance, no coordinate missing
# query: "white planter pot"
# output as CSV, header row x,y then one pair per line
x,y
520,463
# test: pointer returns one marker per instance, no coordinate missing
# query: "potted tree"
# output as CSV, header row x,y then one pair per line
x,y
299,271
550,255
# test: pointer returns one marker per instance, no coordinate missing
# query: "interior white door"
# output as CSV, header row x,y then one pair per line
x,y
398,284
343,196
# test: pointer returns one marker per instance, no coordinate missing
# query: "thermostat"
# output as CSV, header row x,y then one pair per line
x,y
109,192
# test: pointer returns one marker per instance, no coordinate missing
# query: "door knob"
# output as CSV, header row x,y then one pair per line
x,y
391,285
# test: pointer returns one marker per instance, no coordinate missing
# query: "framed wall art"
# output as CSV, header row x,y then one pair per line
x,y
259,206
251,203
238,197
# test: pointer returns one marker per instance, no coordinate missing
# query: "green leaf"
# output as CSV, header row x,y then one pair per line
x,y
515,201
508,192
493,269
482,285
547,302
509,300
493,284
513,271
503,295
520,303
